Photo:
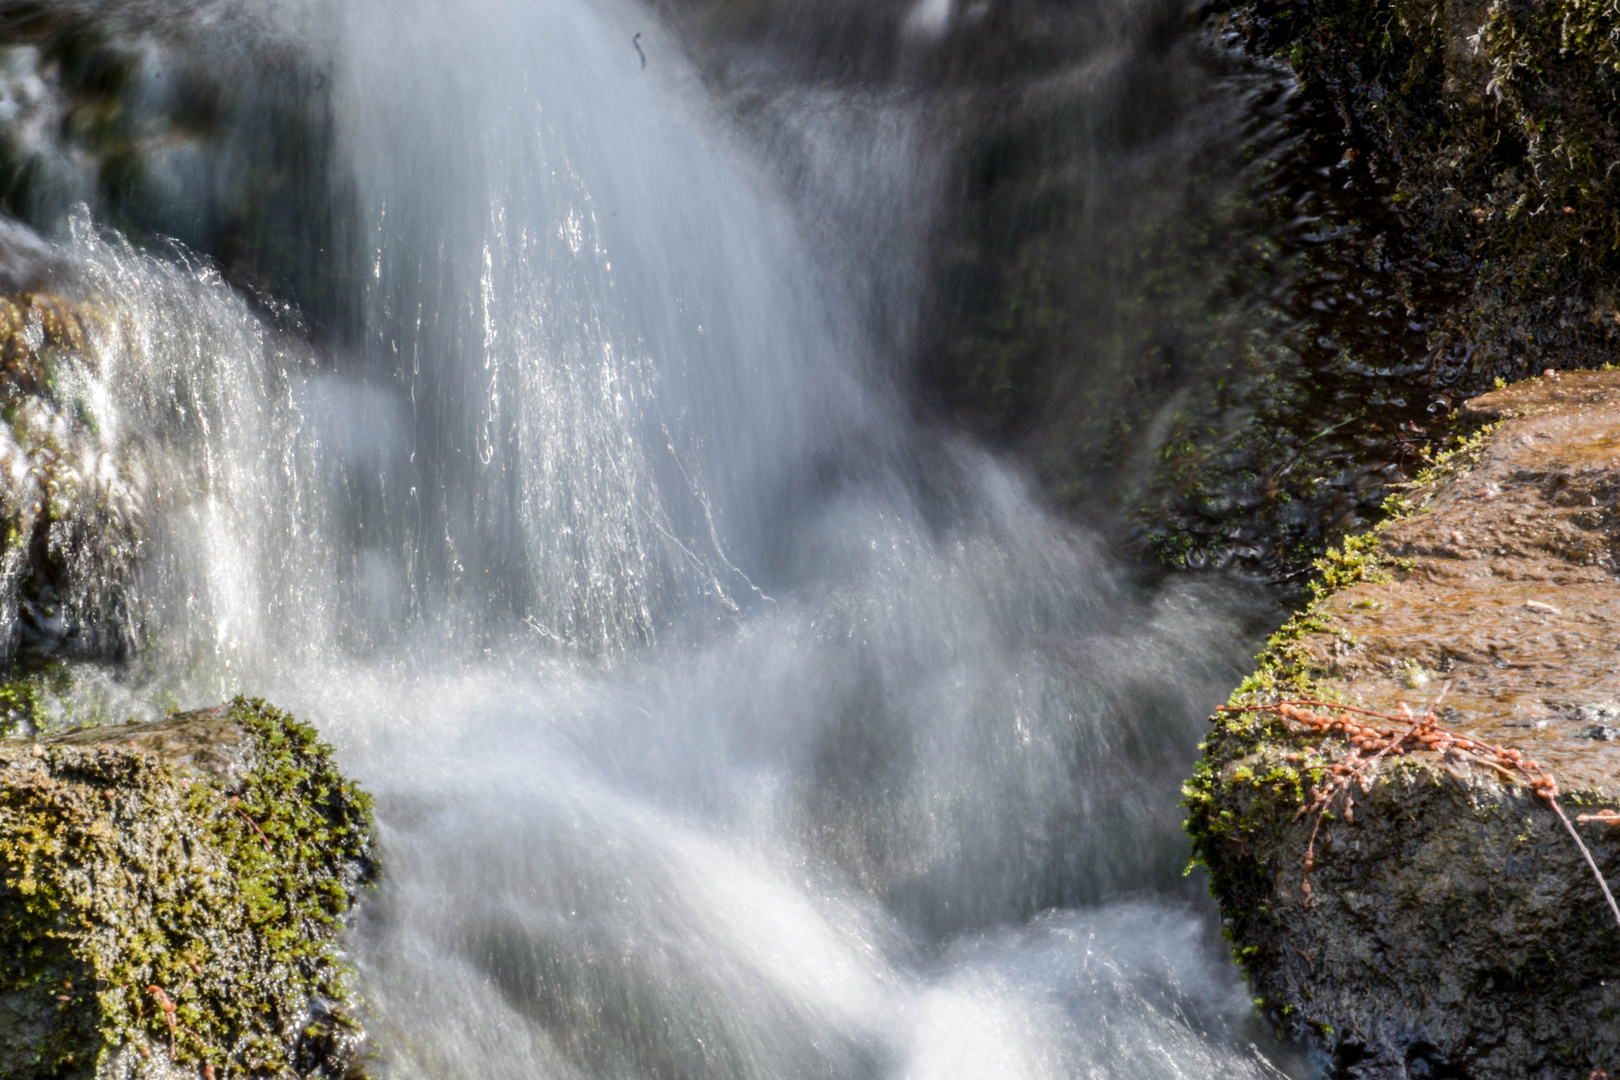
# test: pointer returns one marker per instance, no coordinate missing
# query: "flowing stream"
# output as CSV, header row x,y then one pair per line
x,y
724,719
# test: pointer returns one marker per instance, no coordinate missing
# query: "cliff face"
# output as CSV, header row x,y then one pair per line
x,y
170,893
1493,127
1450,920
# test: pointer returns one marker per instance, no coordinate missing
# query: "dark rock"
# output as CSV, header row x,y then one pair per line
x,y
1490,130
212,127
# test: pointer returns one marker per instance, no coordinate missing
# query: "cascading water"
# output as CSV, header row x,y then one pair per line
x,y
724,722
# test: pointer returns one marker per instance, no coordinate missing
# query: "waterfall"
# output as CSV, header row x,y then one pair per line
x,y
724,720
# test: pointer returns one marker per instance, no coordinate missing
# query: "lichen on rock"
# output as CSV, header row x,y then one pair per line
x,y
170,897
1452,923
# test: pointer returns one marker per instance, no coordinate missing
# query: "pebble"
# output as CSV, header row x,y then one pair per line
x,y
1540,608
1605,713
1604,733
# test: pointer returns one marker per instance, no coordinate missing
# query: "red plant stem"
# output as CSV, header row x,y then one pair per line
x,y
1297,702
251,822
1510,764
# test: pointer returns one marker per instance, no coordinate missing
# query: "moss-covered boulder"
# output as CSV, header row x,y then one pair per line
x,y
171,892
1451,925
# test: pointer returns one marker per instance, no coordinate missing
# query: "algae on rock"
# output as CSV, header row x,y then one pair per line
x,y
178,885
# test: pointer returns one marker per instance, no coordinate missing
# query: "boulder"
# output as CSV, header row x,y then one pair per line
x,y
170,899
1446,921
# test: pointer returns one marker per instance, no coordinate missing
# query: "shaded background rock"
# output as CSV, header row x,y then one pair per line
x,y
1152,271
1493,129
1223,299
212,129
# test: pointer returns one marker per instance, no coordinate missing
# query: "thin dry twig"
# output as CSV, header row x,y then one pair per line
x,y
1422,733
235,805
1587,855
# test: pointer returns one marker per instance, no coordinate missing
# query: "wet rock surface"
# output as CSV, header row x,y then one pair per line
x,y
170,893
1512,592
1453,927
71,498
1489,130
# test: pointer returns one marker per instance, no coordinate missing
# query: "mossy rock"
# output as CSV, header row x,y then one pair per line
x,y
206,861
1454,929
1452,926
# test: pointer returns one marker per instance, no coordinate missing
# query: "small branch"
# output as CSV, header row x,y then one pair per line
x,y
168,1008
1425,734
1587,855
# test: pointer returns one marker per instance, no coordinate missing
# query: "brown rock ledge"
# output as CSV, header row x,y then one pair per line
x,y
1455,929
1512,594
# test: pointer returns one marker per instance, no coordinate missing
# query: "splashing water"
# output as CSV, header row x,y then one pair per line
x,y
723,721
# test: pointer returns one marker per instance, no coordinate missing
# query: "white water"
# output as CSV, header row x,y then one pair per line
x,y
723,722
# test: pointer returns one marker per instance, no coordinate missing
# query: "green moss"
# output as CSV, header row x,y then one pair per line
x,y
1410,498
22,708
1246,743
126,875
